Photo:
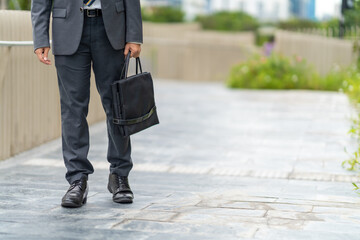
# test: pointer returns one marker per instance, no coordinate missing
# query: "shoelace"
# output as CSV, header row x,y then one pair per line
x,y
123,183
74,184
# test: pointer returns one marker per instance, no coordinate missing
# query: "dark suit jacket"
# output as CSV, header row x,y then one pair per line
x,y
122,20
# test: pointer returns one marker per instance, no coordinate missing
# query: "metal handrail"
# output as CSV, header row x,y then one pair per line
x,y
17,43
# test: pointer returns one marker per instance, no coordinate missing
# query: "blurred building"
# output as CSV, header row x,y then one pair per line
x,y
192,8
304,9
173,3
336,12
264,10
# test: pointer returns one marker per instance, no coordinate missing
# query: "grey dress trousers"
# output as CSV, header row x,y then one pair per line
x,y
74,85
77,42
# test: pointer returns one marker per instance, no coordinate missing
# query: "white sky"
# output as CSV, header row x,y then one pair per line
x,y
326,7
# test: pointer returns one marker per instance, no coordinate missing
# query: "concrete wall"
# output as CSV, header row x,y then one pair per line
x,y
322,52
184,52
29,98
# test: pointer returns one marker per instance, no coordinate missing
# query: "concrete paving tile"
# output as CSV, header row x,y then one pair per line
x,y
241,196
153,215
241,205
266,165
170,236
285,234
292,215
163,207
290,207
336,210
333,227
197,218
317,203
339,198
285,223
338,218
197,230
230,211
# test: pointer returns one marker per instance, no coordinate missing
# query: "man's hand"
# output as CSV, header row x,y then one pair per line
x,y
42,54
134,48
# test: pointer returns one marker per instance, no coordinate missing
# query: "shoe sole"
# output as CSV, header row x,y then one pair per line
x,y
123,200
73,205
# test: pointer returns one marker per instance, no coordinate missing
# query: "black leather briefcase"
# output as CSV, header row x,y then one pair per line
x,y
134,106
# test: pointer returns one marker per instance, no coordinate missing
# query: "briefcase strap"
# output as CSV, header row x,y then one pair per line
x,y
138,63
124,71
134,120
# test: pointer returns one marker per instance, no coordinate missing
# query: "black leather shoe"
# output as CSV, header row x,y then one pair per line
x,y
76,195
120,188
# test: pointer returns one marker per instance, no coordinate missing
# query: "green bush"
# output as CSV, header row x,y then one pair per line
x,y
260,39
352,17
332,23
301,24
162,14
335,80
279,72
351,86
274,72
298,24
350,81
228,21
19,4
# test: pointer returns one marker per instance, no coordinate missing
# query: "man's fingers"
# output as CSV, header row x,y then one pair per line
x,y
45,56
39,56
42,60
126,51
46,51
42,55
136,54
38,53
134,48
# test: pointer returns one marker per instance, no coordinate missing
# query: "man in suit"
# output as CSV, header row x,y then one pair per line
x,y
100,32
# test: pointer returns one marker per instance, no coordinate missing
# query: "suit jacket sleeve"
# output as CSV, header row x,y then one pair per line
x,y
40,19
134,32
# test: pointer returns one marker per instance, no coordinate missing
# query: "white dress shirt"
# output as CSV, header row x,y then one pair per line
x,y
96,4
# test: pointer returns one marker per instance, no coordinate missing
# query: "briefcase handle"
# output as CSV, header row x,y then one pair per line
x,y
126,66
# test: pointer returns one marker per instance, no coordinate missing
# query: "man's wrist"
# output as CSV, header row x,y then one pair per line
x,y
135,42
41,47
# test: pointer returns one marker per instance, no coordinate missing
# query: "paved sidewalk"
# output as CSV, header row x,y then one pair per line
x,y
223,164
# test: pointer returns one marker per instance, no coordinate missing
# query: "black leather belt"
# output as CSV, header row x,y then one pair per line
x,y
92,12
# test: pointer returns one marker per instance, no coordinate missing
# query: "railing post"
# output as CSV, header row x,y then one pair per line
x,y
3,4
4,137
4,62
